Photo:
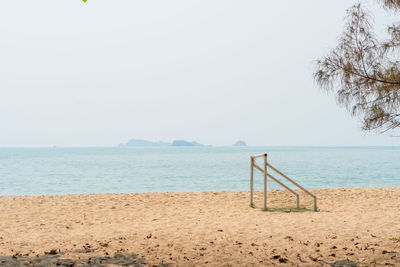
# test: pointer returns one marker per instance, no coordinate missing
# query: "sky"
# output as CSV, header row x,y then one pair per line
x,y
103,72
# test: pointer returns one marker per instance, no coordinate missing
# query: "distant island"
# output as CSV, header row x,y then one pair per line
x,y
185,143
240,143
145,143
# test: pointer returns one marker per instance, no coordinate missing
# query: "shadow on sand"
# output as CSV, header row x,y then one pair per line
x,y
343,263
51,260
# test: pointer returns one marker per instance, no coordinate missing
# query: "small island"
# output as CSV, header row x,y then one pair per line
x,y
240,143
185,143
145,143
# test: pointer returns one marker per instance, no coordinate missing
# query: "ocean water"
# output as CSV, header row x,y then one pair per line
x,y
38,171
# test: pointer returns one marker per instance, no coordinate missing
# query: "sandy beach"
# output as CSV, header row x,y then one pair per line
x,y
357,227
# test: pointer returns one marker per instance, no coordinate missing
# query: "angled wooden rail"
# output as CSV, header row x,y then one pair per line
x,y
266,174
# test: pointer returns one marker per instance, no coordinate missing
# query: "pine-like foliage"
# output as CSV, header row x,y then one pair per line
x,y
363,71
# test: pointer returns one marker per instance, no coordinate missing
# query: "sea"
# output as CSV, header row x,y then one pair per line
x,y
55,170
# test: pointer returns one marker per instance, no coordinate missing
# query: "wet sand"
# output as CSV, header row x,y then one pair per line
x,y
354,226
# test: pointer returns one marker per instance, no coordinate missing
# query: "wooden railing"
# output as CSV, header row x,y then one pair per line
x,y
266,175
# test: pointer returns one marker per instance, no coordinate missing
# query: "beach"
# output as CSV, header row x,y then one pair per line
x,y
353,226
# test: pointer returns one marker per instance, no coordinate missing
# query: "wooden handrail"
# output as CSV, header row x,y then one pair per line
x,y
266,174
280,183
259,156
296,184
290,180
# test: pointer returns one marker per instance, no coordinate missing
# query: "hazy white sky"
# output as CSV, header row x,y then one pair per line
x,y
101,73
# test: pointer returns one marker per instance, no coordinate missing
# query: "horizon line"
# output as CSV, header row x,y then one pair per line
x,y
204,146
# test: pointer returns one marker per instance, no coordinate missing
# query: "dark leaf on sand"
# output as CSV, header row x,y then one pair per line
x,y
289,238
283,260
52,252
313,259
278,257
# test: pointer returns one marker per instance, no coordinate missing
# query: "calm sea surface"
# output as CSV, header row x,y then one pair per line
x,y
35,171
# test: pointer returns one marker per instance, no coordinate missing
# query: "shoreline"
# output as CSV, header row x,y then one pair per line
x,y
203,228
193,192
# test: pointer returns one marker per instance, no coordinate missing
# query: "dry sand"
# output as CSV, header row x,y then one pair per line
x,y
353,226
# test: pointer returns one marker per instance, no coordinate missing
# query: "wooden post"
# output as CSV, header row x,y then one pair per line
x,y
265,181
266,175
315,204
251,181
